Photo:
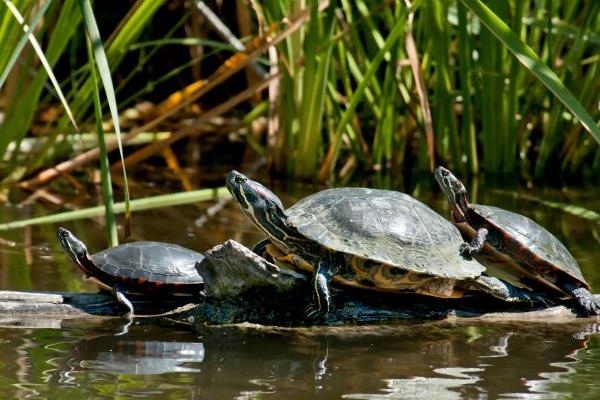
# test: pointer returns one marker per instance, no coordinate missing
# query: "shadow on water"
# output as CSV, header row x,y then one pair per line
x,y
159,360
430,360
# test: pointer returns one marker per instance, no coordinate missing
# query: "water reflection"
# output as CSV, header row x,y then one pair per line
x,y
138,355
427,388
434,360
85,360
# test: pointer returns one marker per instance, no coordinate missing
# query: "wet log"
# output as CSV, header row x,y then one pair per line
x,y
243,287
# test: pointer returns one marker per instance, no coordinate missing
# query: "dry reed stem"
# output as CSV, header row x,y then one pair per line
x,y
155,147
234,64
415,66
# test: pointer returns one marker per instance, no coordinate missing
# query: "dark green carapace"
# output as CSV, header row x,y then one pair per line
x,y
148,268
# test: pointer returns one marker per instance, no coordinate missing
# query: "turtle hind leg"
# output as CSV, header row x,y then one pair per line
x,y
589,302
507,292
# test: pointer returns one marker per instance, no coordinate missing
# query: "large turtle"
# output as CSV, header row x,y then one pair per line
x,y
366,238
515,245
149,268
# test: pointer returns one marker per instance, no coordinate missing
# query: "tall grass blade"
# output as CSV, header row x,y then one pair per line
x,y
23,101
40,53
468,125
107,193
490,101
532,62
512,98
318,53
444,120
415,66
21,44
102,62
332,153
147,203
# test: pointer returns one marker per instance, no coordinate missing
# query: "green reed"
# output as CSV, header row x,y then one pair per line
x,y
510,85
107,192
24,93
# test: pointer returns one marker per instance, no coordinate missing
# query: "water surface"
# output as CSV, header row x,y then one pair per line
x,y
163,359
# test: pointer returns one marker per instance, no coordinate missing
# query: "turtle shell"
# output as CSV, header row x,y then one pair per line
x,y
157,262
385,226
533,237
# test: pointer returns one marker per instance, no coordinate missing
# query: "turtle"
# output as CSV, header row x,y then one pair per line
x,y
364,238
517,246
148,268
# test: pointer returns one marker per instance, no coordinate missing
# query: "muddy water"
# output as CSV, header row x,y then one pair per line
x,y
161,359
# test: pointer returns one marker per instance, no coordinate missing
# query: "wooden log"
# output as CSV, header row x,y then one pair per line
x,y
242,287
50,309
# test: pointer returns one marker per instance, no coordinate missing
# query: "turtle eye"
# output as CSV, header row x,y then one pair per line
x,y
240,179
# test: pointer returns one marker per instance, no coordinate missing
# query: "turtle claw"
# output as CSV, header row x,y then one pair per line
x,y
465,249
547,303
534,298
309,309
531,297
312,312
588,301
476,244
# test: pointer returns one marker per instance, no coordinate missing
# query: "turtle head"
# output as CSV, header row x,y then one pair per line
x,y
259,204
455,191
73,247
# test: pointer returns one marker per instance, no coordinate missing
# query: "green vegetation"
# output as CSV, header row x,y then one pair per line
x,y
345,87
507,113
147,203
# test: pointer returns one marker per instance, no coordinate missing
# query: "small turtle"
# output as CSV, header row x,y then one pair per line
x,y
515,245
149,268
365,238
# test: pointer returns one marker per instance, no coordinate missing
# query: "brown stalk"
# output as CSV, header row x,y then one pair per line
x,y
415,66
173,164
273,120
234,64
155,147
245,28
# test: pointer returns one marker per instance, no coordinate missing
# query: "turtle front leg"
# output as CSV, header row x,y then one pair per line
x,y
121,298
586,299
507,292
320,286
476,243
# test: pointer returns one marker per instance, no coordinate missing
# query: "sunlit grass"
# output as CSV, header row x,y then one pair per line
x,y
509,87
500,87
146,203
